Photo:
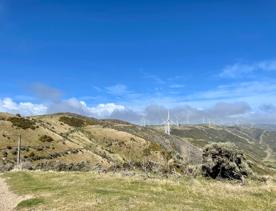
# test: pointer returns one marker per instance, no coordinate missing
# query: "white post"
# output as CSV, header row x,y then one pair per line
x,y
18,152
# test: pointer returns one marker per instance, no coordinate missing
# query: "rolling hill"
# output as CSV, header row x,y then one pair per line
x,y
259,144
67,141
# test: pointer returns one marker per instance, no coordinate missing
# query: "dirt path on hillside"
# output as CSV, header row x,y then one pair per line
x,y
268,150
261,140
239,136
8,199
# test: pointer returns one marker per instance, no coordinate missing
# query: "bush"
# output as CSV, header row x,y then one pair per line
x,y
32,154
14,152
5,154
22,123
224,160
6,167
46,138
60,166
153,147
72,121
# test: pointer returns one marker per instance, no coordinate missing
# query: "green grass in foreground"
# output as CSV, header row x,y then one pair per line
x,y
30,203
92,191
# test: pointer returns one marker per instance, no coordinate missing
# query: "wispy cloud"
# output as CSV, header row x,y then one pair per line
x,y
176,86
174,82
117,90
237,90
45,92
154,78
239,70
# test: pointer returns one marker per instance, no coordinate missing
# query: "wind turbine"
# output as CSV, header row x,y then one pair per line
x,y
144,124
203,120
167,124
209,123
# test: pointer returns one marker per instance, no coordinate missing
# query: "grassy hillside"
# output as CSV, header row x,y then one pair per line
x,y
258,144
93,191
119,153
72,142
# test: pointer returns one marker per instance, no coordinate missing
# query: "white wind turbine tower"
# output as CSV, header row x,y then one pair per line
x,y
144,124
177,123
209,123
167,124
203,120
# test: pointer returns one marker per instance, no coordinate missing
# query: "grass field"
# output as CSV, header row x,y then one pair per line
x,y
94,191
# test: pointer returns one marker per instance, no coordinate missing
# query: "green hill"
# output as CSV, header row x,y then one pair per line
x,y
258,144
71,142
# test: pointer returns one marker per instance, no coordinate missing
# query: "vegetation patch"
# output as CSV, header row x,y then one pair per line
x,y
22,123
224,160
72,121
46,138
153,147
30,202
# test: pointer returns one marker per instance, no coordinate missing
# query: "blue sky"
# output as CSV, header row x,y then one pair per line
x,y
137,53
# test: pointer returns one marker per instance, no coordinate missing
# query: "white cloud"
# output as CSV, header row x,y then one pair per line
x,y
25,108
70,105
224,112
106,109
247,69
80,107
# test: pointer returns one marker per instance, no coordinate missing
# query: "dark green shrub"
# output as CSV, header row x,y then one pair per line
x,y
14,151
5,154
224,160
32,154
46,138
22,123
39,149
72,121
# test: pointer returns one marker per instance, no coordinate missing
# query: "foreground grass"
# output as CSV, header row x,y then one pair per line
x,y
93,191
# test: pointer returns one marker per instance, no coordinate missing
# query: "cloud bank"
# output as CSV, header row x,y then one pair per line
x,y
220,113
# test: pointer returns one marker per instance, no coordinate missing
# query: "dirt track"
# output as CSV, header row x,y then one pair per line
x,y
268,150
8,200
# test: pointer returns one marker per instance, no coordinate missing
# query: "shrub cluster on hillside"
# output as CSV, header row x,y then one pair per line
x,y
60,166
22,123
72,121
224,160
46,138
